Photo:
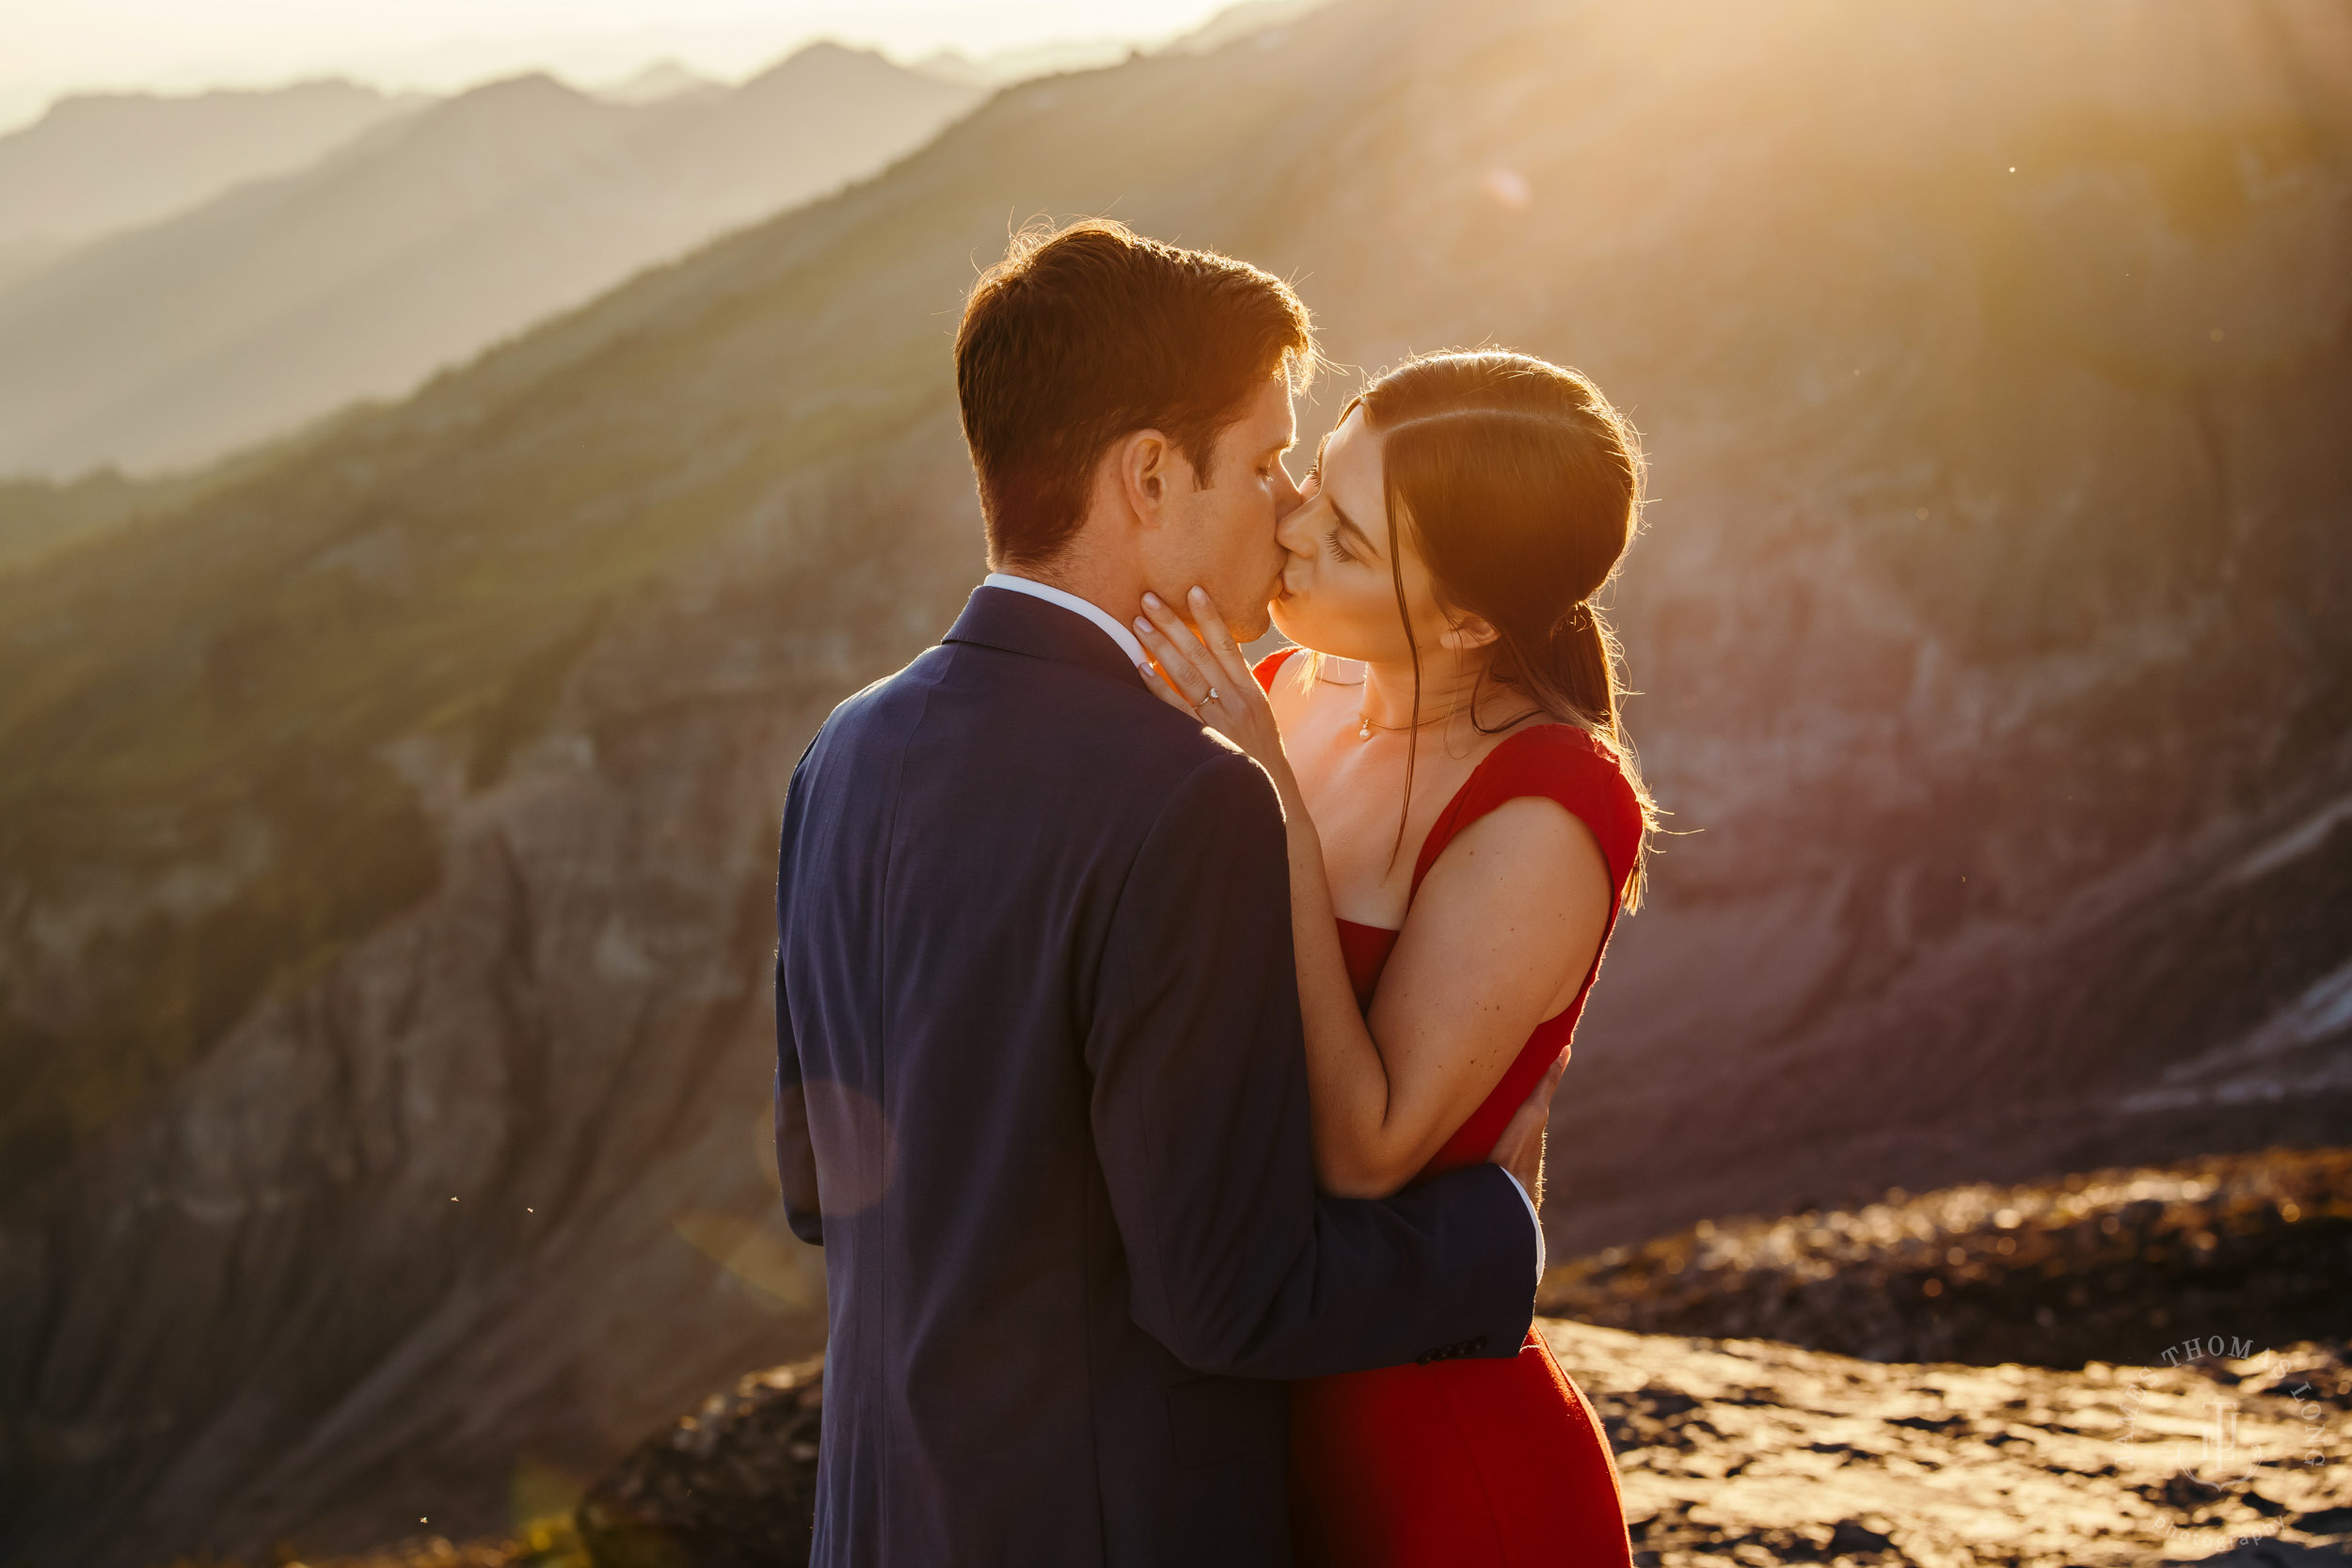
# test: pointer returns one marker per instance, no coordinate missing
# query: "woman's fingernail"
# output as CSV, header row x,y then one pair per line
x,y
1151,598
1142,625
1199,592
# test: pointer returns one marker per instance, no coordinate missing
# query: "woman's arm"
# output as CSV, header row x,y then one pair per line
x,y
1502,934
1500,937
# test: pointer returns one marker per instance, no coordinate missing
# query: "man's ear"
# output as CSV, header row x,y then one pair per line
x,y
1466,632
1145,462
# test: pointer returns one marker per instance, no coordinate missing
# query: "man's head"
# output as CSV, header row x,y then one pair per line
x,y
1126,399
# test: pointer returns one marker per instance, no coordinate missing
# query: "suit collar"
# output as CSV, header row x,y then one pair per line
x,y
1024,624
1086,608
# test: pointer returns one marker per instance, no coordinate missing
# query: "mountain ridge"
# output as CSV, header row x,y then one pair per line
x,y
95,163
413,247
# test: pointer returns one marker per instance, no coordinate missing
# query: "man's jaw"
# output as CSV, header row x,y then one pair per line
x,y
1262,610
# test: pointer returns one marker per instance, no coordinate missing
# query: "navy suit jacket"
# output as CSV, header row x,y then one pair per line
x,y
1040,1094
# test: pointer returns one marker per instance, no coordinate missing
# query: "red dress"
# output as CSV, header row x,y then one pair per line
x,y
1470,1464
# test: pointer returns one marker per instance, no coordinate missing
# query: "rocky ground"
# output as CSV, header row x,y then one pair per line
x,y
1734,1452
732,1485
2212,1440
1742,1452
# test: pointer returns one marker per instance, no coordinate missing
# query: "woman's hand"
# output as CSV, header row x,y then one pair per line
x,y
1520,1149
1207,677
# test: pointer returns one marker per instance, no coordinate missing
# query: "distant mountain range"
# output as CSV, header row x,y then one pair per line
x,y
414,247
385,825
97,163
662,79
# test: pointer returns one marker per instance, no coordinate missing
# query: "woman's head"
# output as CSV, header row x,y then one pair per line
x,y
1467,509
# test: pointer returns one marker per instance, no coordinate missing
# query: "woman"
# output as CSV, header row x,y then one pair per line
x,y
1464,823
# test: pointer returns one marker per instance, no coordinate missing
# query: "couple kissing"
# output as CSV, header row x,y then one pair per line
x,y
1163,1044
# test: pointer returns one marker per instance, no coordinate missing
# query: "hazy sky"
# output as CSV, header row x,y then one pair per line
x,y
50,47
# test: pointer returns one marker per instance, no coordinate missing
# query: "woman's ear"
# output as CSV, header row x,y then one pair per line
x,y
1464,633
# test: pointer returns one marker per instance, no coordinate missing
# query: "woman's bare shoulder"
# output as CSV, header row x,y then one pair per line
x,y
1524,806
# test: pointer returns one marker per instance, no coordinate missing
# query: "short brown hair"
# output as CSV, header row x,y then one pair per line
x,y
1086,334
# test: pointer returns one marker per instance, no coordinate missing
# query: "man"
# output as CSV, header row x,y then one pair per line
x,y
1041,1091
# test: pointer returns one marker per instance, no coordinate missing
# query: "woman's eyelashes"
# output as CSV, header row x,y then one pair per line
x,y
1338,551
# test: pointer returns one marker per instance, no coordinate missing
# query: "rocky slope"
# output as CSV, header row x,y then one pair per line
x,y
383,843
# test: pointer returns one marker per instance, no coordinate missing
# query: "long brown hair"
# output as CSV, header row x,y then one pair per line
x,y
1523,487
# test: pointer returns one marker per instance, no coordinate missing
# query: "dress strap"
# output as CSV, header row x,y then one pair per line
x,y
1566,763
1270,665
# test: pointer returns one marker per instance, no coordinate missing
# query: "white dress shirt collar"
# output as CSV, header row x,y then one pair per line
x,y
1112,629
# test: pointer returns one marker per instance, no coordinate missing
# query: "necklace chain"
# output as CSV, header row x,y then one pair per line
x,y
1364,726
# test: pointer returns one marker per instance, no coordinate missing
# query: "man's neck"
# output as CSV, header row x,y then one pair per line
x,y
1077,604
1114,588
